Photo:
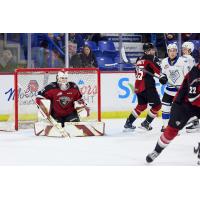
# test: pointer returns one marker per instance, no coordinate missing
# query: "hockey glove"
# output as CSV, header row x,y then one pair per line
x,y
163,79
82,108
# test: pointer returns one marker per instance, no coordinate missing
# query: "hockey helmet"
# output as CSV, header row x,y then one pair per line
x,y
172,46
188,45
148,46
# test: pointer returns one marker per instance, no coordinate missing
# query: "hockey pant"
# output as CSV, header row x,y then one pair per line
x,y
180,114
150,97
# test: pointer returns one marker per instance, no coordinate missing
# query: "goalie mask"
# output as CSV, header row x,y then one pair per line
x,y
62,80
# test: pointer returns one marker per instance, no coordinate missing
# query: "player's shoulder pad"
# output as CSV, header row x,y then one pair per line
x,y
181,59
73,85
157,60
164,60
52,85
164,63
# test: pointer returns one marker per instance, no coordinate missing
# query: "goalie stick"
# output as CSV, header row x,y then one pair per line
x,y
51,120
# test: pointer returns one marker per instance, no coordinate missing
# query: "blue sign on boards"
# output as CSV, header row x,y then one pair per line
x,y
127,89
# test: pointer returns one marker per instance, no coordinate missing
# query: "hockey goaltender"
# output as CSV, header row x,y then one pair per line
x,y
60,108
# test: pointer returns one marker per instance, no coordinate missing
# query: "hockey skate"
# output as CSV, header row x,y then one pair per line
x,y
145,125
194,127
150,157
128,127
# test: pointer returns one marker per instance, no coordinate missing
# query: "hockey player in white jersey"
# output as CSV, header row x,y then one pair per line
x,y
187,49
175,69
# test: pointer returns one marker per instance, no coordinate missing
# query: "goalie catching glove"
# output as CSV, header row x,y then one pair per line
x,y
82,108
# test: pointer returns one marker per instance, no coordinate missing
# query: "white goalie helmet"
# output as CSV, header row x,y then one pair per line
x,y
188,45
172,46
62,80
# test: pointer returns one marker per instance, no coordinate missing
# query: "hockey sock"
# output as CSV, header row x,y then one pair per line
x,y
169,134
153,112
131,118
166,108
165,118
136,112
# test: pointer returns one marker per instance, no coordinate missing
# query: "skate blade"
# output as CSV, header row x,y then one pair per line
x,y
144,129
128,130
192,130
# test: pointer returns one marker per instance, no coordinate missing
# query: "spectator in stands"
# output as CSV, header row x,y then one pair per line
x,y
84,59
146,37
43,56
171,36
88,59
57,61
77,39
59,39
8,61
75,61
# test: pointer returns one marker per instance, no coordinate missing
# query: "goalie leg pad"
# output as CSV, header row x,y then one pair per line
x,y
85,128
75,129
46,129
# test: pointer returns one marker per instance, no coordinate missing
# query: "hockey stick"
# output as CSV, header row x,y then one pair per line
x,y
113,64
124,58
123,55
51,120
197,149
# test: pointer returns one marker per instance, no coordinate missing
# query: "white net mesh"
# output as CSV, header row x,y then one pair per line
x,y
30,82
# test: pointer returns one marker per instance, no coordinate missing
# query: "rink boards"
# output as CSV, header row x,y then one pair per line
x,y
117,95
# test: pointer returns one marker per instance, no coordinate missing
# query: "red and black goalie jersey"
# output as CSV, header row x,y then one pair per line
x,y
62,102
190,88
143,80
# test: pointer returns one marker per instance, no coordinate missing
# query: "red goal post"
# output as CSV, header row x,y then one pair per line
x,y
27,82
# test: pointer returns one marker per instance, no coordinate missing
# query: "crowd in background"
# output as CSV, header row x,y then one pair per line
x,y
48,50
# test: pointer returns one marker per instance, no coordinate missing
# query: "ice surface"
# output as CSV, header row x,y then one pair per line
x,y
116,148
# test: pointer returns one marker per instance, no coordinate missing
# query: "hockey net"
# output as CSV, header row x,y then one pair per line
x,y
27,83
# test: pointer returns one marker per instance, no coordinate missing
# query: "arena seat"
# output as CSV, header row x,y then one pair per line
x,y
92,45
106,46
102,61
196,43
